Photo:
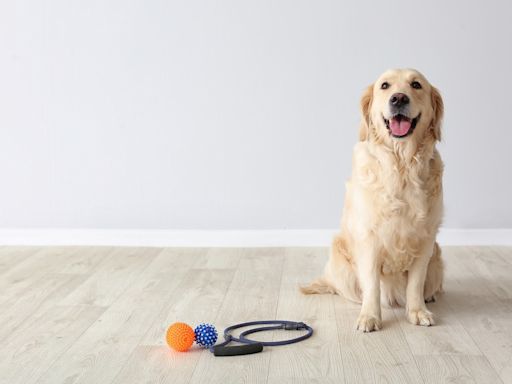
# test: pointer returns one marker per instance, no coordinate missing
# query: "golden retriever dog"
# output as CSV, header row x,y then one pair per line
x,y
386,252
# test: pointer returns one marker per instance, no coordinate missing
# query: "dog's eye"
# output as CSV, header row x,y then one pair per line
x,y
416,85
384,85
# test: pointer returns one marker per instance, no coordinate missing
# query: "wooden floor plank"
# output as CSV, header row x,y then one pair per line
x,y
45,292
491,265
31,349
99,315
375,357
19,280
197,299
84,260
158,364
34,287
12,256
219,258
112,276
475,299
457,369
252,295
447,337
102,350
318,357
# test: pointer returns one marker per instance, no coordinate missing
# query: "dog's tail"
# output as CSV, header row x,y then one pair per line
x,y
319,285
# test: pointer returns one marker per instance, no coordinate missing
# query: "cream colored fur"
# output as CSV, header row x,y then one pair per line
x,y
386,251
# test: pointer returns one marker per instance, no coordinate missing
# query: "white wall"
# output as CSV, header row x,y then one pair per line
x,y
235,114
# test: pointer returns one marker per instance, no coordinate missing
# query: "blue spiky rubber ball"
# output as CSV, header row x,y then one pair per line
x,y
206,335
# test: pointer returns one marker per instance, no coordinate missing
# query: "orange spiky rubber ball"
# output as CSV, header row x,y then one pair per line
x,y
180,337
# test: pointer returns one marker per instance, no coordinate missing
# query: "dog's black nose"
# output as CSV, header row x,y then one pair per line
x,y
399,100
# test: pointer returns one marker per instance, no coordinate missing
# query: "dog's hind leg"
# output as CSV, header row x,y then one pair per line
x,y
339,275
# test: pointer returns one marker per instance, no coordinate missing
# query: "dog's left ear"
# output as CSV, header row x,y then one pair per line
x,y
438,107
366,102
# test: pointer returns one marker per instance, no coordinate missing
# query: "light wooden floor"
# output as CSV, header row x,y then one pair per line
x,y
98,315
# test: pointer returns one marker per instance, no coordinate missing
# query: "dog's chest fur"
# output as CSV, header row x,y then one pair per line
x,y
395,201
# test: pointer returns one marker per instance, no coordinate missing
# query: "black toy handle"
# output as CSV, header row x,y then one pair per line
x,y
237,350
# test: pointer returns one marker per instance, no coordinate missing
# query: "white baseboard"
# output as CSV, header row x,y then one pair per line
x,y
222,238
488,236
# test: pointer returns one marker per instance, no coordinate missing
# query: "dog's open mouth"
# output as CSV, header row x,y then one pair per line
x,y
400,125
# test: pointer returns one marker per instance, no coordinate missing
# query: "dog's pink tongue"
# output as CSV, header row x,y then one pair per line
x,y
399,127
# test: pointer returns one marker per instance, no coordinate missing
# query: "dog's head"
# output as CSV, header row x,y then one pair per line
x,y
401,105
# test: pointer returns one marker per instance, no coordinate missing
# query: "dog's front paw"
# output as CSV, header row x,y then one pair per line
x,y
368,323
421,317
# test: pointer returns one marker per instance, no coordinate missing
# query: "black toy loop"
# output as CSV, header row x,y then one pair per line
x,y
253,346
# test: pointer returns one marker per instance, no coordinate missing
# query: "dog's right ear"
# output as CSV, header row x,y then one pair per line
x,y
438,107
366,103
